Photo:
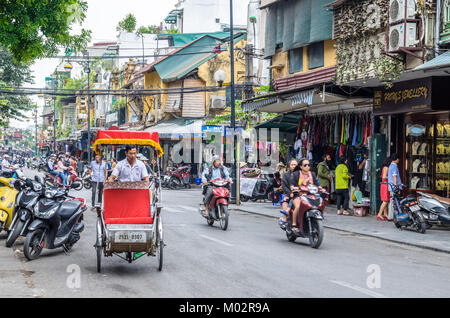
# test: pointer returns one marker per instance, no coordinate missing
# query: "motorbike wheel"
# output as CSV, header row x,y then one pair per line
x,y
174,183
254,199
32,247
421,227
291,236
14,234
223,214
315,238
87,184
244,198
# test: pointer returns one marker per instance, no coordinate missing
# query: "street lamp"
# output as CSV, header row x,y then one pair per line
x,y
220,76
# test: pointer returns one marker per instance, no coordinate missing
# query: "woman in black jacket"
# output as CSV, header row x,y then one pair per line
x,y
290,178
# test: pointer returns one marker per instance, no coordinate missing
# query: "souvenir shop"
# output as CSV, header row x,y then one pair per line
x,y
419,112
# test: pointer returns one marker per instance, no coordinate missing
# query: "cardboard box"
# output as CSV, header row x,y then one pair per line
x,y
360,210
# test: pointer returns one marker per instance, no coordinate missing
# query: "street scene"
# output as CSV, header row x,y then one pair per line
x,y
207,149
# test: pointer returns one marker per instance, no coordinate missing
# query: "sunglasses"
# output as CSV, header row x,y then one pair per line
x,y
307,165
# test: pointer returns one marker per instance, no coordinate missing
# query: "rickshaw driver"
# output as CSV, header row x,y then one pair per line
x,y
129,169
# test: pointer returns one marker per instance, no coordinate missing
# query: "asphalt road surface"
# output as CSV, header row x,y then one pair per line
x,y
251,259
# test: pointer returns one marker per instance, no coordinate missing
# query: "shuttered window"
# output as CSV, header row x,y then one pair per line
x,y
315,55
296,60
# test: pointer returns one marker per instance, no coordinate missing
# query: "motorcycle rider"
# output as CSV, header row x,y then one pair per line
x,y
7,168
215,171
289,178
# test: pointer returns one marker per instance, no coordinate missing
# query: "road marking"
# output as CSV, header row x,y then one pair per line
x,y
216,240
359,289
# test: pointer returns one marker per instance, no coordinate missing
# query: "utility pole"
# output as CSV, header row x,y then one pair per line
x,y
235,175
248,93
54,125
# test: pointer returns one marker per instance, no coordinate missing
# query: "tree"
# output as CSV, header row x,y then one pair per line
x,y
12,74
151,29
32,29
128,24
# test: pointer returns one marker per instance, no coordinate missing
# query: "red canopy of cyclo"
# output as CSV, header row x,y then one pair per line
x,y
123,137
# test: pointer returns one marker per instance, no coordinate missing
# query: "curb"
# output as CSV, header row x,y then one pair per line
x,y
436,249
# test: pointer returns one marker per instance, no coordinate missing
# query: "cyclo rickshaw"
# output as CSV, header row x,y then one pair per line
x,y
129,224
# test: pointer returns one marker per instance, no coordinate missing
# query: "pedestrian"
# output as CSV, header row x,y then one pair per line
x,y
342,181
393,178
384,191
73,163
97,172
324,172
113,165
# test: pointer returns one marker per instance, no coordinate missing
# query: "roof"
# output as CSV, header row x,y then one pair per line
x,y
442,60
122,137
335,3
182,61
181,39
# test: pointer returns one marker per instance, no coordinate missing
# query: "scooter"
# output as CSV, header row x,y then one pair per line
x,y
407,212
218,207
74,181
180,177
435,212
57,223
8,196
29,195
310,216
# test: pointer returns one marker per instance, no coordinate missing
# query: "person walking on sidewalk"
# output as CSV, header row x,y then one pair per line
x,y
342,181
98,172
393,178
324,172
384,191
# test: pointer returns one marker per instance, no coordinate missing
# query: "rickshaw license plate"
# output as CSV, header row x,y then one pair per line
x,y
129,237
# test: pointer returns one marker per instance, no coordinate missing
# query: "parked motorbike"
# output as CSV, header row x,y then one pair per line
x,y
30,193
180,177
8,196
265,189
87,182
57,223
435,212
218,207
407,212
74,181
310,216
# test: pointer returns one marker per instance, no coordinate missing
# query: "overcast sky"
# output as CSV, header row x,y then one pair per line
x,y
102,18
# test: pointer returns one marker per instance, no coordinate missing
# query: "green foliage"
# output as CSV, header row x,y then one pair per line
x,y
119,104
173,31
283,148
32,29
13,74
128,24
151,29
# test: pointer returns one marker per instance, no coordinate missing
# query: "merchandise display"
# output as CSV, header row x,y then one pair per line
x,y
419,156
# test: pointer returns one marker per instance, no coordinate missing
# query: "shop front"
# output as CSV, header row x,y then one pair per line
x,y
419,112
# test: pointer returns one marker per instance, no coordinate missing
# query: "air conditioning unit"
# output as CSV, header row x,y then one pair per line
x,y
402,35
397,10
218,102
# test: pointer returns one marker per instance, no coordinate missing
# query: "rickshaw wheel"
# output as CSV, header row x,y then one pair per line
x,y
160,254
98,246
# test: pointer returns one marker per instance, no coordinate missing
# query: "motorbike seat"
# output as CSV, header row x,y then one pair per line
x,y
69,208
408,199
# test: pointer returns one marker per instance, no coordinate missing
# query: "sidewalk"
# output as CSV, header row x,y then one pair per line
x,y
437,239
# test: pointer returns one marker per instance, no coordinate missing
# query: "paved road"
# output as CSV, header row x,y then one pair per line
x,y
251,259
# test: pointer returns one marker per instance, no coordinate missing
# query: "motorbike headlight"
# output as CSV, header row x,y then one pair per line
x,y
313,189
45,214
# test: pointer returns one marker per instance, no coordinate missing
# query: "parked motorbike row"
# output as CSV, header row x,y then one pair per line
x,y
48,217
420,213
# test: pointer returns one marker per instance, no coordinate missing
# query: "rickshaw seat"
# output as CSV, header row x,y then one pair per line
x,y
127,206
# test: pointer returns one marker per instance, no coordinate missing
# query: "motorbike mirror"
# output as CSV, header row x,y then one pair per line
x,y
17,185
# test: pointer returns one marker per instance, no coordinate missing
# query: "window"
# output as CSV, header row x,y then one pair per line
x,y
315,55
296,60
217,20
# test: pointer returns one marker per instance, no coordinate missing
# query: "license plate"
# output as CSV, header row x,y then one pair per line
x,y
129,237
414,208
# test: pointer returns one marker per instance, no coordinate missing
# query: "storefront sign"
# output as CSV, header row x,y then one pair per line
x,y
418,95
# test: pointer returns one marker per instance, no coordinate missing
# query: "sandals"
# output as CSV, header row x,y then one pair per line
x,y
296,230
348,214
284,212
282,223
339,212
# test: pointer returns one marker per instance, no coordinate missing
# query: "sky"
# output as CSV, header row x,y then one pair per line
x,y
102,18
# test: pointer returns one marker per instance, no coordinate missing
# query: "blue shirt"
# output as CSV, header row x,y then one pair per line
x,y
98,171
215,174
393,171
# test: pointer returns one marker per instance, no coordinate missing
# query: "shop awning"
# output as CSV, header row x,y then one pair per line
x,y
178,128
286,122
442,60
251,106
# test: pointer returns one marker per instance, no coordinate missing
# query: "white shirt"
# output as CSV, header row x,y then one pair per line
x,y
124,172
5,166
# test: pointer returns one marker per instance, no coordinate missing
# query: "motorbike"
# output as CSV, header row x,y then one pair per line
x,y
166,177
8,196
57,223
15,173
29,194
435,212
218,207
74,181
180,177
265,189
407,212
87,182
310,216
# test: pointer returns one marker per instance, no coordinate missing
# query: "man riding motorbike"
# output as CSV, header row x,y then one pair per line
x,y
7,168
215,171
